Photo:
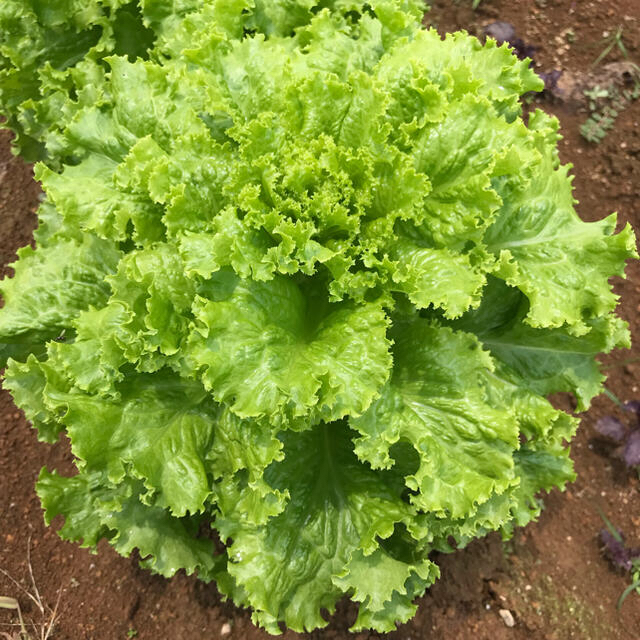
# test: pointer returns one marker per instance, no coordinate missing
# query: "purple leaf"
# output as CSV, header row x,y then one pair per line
x,y
611,428
522,49
632,449
550,79
503,32
500,31
615,550
633,407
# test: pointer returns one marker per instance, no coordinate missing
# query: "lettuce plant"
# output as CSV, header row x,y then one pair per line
x,y
304,277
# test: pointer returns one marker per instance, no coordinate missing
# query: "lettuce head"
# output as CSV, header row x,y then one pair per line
x,y
304,276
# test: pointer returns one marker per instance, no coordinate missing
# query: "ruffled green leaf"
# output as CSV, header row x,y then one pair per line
x,y
241,452
93,509
151,285
159,429
289,567
279,351
435,401
53,284
539,466
27,383
562,264
543,360
385,587
99,207
436,277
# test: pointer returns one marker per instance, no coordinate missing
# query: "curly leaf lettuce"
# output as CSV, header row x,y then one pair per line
x,y
303,276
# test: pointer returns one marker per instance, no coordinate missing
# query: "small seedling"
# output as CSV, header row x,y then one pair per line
x,y
605,105
132,633
594,95
612,41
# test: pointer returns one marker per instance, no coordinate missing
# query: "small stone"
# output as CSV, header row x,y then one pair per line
x,y
225,630
507,617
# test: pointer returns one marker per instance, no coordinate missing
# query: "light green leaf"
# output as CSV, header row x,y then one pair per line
x,y
460,155
99,207
539,466
435,400
562,264
151,286
53,284
166,543
241,451
385,587
160,426
544,361
27,383
94,509
83,499
337,505
462,65
230,244
436,277
278,350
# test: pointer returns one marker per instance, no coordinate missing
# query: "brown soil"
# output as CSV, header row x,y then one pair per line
x,y
551,577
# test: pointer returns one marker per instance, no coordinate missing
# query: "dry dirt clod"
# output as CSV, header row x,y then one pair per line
x,y
225,630
507,617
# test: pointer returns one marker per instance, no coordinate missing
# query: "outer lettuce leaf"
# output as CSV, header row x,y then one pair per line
x,y
27,382
290,568
435,401
99,207
543,360
538,466
159,429
51,286
561,263
94,509
386,588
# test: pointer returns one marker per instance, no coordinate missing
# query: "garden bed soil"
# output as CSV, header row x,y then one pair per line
x,y
551,578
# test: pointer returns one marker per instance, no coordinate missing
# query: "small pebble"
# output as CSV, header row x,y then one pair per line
x,y
225,630
507,617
